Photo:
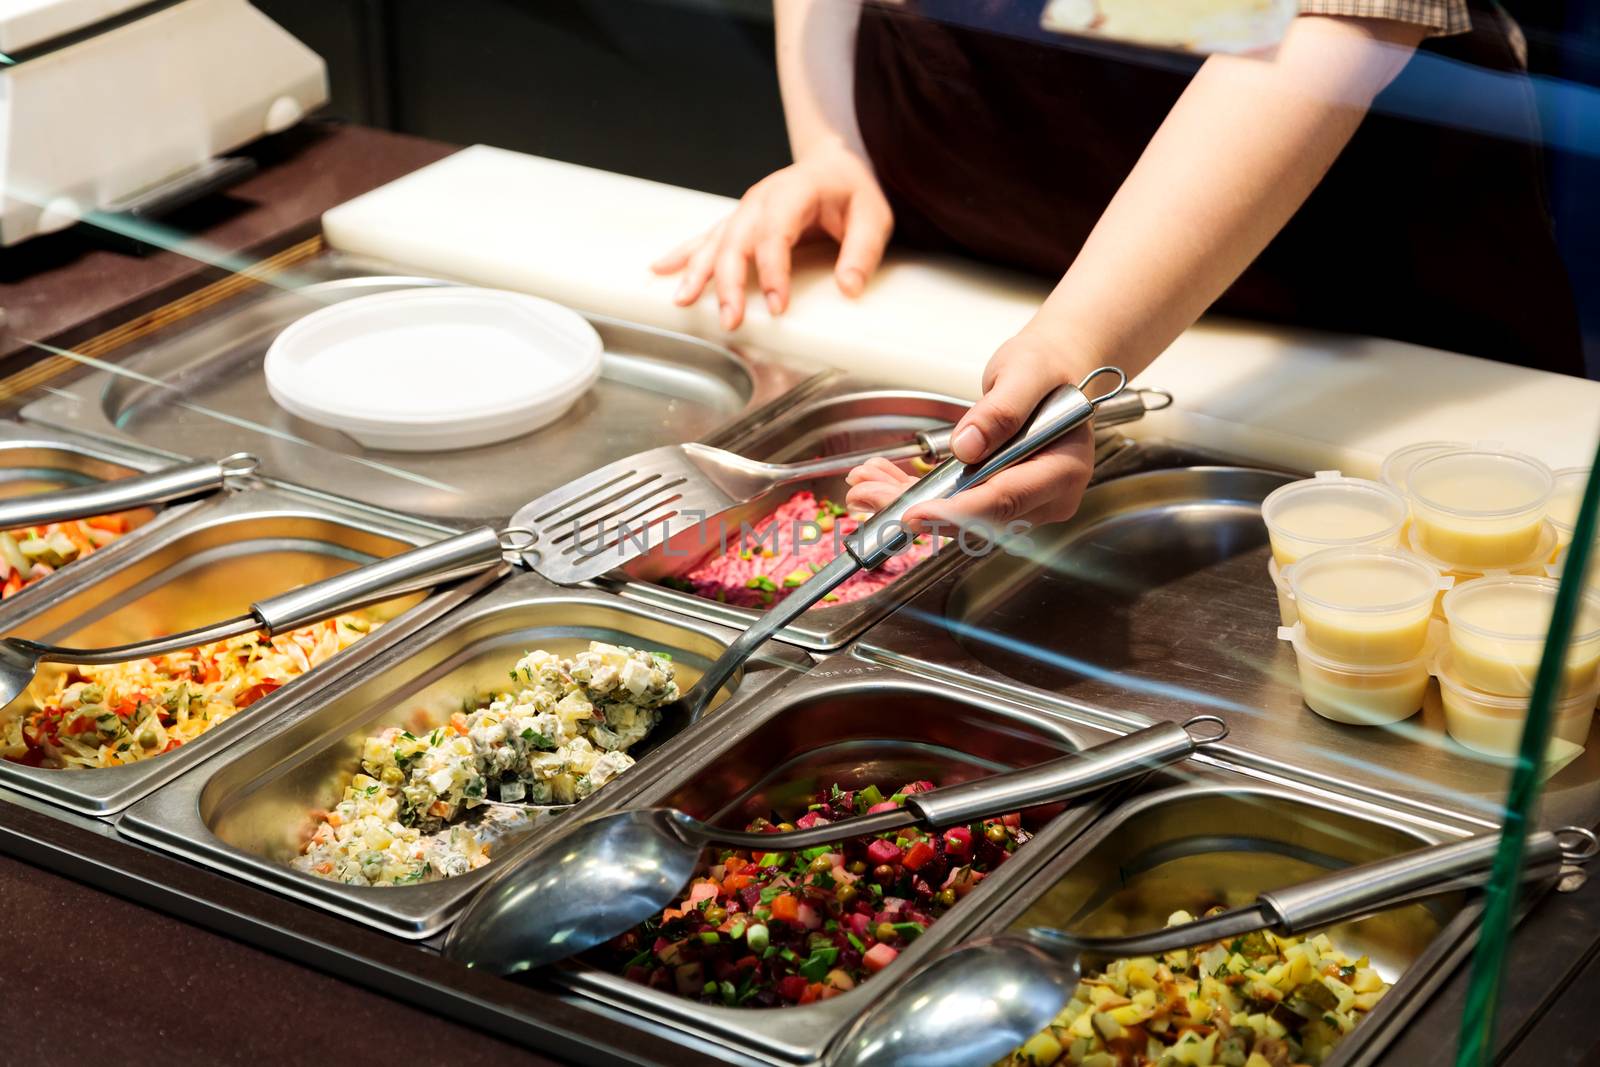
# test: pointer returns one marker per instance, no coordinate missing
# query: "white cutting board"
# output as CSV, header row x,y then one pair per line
x,y
586,238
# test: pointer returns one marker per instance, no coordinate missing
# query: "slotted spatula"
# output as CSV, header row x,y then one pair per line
x,y
603,520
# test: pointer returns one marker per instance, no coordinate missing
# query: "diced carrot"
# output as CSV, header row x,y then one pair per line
x,y
735,864
459,721
324,868
735,882
334,819
786,907
78,537
439,808
671,913
112,523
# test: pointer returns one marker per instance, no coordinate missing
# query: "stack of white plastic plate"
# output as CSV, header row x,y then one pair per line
x,y
427,370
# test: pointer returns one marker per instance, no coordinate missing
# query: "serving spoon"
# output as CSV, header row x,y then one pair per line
x,y
978,1003
421,568
613,871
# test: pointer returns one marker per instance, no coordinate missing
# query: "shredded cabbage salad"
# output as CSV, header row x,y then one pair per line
x,y
36,552
106,716
558,736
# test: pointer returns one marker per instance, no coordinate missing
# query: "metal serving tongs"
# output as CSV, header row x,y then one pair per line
x,y
606,518
613,871
123,494
977,1003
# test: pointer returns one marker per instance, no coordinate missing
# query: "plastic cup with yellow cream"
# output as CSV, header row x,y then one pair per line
x,y
1331,511
1479,508
1357,693
1497,629
1365,605
1564,501
1288,613
1493,724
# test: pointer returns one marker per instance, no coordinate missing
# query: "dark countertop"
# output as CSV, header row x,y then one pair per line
x,y
63,288
89,976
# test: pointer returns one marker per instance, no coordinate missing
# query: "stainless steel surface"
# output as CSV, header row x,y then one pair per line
x,y
1200,837
846,723
1154,603
136,491
200,381
1061,411
838,419
36,460
245,813
615,870
207,562
451,559
975,1004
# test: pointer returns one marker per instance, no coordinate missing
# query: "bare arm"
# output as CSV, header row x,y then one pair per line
x,y
1235,158
816,46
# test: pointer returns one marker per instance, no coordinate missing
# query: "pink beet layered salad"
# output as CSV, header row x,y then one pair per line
x,y
769,929
783,550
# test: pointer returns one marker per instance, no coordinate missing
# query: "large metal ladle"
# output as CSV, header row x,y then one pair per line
x,y
613,871
977,1003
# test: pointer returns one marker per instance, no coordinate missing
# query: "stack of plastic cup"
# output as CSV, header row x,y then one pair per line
x,y
1325,512
1496,629
1364,643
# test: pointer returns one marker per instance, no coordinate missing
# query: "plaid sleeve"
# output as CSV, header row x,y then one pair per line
x,y
1442,17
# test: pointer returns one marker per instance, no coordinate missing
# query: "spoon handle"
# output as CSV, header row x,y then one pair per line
x,y
144,490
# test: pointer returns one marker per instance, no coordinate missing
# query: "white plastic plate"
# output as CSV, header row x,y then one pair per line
x,y
427,370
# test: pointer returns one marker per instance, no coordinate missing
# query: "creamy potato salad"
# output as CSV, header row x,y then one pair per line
x,y
559,735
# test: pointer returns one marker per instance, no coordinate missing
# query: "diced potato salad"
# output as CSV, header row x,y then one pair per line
x,y
1257,1001
558,736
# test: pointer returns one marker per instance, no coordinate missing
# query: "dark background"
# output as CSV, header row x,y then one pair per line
x,y
684,91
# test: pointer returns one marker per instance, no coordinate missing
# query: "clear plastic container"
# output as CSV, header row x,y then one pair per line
x,y
1331,511
1556,569
1492,724
1356,693
1533,565
1365,605
1564,501
1479,508
1497,630
1288,614
1397,464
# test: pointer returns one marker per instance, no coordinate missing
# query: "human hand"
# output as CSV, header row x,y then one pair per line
x,y
1044,488
831,191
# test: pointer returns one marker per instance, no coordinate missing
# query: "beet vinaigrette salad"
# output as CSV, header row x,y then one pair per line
x,y
783,550
771,929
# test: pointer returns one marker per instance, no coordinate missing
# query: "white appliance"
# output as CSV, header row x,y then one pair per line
x,y
116,106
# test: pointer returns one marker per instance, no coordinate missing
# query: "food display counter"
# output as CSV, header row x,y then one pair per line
x,y
1154,604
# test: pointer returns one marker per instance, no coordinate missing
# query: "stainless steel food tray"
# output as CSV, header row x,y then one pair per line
x,y
836,419
243,813
1201,836
1154,603
200,381
851,723
205,564
34,459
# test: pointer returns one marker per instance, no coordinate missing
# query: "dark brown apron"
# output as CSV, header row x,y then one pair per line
x,y
1003,141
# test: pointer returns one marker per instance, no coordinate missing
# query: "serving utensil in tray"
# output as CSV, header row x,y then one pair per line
x,y
607,518
143,490
978,1002
648,855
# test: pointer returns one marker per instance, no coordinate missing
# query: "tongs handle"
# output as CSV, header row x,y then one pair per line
x,y
143,490
1359,891
1061,778
1062,411
1055,780
456,557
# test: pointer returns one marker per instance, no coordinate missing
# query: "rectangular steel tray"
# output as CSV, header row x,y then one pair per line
x,y
35,459
838,419
656,388
243,813
1154,603
844,722
1200,837
201,566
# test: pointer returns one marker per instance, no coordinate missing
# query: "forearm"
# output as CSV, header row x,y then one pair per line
x,y
816,47
1246,143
